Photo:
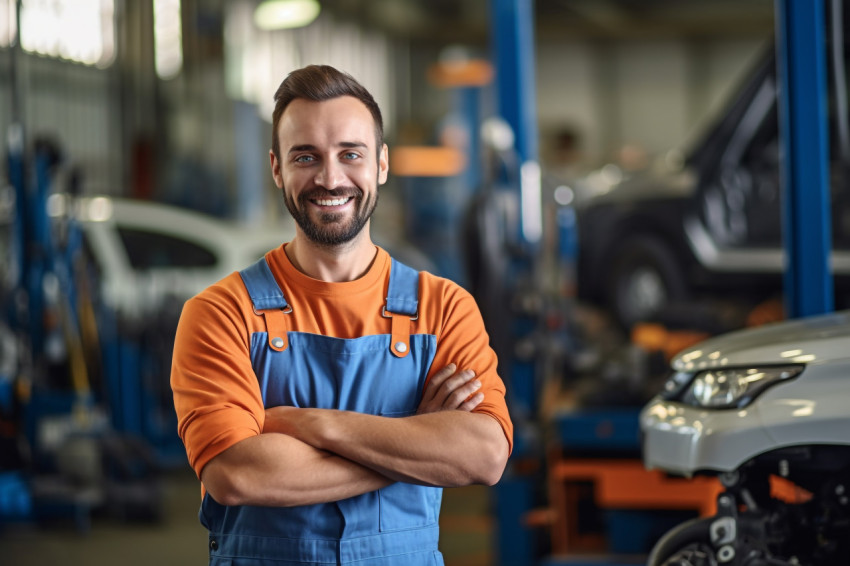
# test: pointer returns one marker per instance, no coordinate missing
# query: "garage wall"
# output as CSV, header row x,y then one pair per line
x,y
651,94
566,92
649,90
71,104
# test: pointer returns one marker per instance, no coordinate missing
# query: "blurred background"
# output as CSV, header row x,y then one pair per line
x,y
527,140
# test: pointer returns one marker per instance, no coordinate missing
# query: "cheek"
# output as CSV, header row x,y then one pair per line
x,y
291,182
368,177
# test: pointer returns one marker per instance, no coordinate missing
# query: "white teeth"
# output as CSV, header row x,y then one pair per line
x,y
331,202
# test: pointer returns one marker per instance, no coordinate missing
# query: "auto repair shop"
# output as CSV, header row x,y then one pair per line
x,y
645,198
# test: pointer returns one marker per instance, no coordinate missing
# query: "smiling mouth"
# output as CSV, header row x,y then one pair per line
x,y
332,201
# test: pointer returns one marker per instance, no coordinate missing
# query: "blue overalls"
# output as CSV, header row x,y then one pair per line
x,y
380,375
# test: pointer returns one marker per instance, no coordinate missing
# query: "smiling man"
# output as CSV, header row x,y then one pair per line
x,y
326,393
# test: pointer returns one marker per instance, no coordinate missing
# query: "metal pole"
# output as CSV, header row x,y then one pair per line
x,y
17,172
512,25
803,118
512,44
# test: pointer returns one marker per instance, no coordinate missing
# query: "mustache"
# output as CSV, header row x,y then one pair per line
x,y
320,193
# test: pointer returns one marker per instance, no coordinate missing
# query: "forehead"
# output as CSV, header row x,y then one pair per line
x,y
342,119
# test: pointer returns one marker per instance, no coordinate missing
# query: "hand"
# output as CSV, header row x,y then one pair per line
x,y
451,389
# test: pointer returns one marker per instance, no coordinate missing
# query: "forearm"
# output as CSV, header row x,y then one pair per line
x,y
273,469
448,448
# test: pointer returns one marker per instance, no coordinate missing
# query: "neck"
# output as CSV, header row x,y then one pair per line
x,y
336,264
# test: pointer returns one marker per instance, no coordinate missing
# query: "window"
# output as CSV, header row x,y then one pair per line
x,y
148,250
76,30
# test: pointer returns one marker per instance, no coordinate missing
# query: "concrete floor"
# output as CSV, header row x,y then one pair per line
x,y
179,539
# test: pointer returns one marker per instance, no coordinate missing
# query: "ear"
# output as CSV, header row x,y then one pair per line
x,y
276,174
383,165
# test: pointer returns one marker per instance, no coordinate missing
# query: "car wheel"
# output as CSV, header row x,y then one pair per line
x,y
687,544
645,276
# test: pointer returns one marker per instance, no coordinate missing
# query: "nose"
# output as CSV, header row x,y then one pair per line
x,y
330,175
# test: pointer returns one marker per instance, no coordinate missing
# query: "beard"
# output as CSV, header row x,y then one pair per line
x,y
332,228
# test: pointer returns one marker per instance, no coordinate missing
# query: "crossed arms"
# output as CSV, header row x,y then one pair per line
x,y
307,456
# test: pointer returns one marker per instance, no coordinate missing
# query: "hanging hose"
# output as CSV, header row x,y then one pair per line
x,y
689,532
89,332
76,360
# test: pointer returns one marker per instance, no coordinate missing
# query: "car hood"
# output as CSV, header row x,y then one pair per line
x,y
611,185
817,339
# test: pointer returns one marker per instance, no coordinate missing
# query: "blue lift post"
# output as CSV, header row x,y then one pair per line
x,y
512,43
803,119
512,46
15,496
468,101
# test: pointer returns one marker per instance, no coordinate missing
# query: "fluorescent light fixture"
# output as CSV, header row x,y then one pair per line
x,y
285,14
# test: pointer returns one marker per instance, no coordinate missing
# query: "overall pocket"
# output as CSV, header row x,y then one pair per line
x,y
407,506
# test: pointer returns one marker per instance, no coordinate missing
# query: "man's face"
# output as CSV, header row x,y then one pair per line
x,y
329,167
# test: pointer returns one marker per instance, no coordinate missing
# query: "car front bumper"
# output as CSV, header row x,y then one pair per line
x,y
684,440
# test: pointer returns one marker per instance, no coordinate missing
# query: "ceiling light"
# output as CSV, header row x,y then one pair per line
x,y
285,14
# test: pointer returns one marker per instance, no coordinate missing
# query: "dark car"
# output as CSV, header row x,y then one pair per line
x,y
711,227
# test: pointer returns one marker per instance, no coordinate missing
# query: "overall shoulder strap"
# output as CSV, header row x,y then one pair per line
x,y
403,290
264,291
402,305
268,301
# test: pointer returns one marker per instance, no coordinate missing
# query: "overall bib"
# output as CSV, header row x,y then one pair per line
x,y
380,375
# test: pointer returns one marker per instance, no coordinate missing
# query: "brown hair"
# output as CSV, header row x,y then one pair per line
x,y
319,83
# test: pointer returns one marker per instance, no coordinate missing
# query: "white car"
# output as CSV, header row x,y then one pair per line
x,y
147,253
765,411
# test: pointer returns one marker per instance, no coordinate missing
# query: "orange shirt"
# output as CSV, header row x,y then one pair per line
x,y
216,393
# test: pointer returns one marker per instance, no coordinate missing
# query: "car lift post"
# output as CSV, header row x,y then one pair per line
x,y
512,48
513,51
803,119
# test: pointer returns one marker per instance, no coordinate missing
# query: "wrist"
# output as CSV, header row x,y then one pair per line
x,y
316,424
329,428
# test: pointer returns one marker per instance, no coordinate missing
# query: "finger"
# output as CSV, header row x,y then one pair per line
x,y
461,394
437,380
472,402
452,384
429,402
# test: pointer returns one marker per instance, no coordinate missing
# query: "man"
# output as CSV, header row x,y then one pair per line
x,y
325,394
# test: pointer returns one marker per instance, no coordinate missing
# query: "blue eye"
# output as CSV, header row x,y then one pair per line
x,y
304,158
351,155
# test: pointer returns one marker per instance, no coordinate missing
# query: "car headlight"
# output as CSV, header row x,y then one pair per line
x,y
734,388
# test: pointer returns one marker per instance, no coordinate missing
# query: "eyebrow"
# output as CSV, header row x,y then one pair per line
x,y
311,147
